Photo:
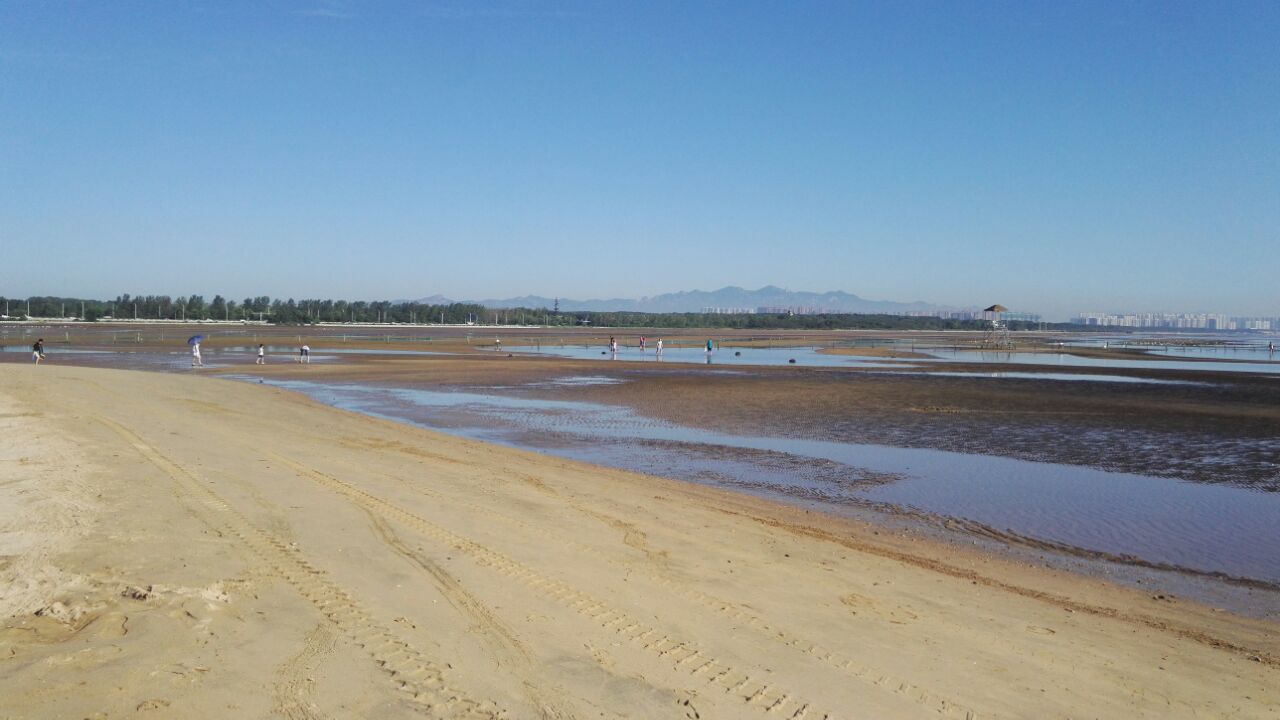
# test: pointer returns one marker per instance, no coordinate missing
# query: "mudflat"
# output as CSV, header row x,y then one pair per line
x,y
1202,426
182,546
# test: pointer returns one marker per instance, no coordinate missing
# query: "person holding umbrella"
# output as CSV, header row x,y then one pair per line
x,y
194,342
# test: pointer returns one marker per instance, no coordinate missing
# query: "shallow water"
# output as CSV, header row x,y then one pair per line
x,y
731,356
1226,346
1068,360
811,357
1205,528
166,360
728,355
1258,353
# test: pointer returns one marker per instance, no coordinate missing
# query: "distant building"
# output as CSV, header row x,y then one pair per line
x,y
792,310
1006,315
1178,321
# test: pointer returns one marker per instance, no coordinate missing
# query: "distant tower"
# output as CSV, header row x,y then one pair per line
x,y
556,310
998,334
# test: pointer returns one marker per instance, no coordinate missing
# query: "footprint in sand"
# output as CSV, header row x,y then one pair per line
x,y
862,604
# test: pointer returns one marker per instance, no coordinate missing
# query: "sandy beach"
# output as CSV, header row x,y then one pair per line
x,y
182,546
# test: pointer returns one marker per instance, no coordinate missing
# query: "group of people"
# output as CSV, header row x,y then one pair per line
x,y
644,344
304,354
613,345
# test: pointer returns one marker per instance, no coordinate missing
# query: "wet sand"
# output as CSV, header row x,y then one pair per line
x,y
1212,543
190,547
1212,427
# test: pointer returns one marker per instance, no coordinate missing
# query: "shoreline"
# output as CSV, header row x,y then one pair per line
x,y
460,413
225,506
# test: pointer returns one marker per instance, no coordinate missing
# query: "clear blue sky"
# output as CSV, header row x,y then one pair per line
x,y
1051,156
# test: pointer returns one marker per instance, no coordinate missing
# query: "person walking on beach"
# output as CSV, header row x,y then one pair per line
x,y
641,343
613,345
304,355
659,346
708,347
262,355
196,360
37,351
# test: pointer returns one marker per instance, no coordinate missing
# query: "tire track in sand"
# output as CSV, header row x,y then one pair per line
x,y
420,679
635,538
684,656
501,641
656,564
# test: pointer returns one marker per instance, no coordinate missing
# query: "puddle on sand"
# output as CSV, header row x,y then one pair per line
x,y
1166,523
578,381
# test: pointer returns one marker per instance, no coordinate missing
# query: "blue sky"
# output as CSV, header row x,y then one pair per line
x,y
1050,156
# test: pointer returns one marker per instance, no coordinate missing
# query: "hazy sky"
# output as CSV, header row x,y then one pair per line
x,y
1050,156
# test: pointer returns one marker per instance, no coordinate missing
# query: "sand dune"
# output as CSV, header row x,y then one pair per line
x,y
177,546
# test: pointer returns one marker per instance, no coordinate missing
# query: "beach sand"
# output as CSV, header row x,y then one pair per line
x,y
182,546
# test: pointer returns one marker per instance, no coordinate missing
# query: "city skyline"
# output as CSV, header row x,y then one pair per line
x,y
1180,321
1058,159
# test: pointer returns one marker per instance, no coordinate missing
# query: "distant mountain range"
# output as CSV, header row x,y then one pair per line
x,y
726,298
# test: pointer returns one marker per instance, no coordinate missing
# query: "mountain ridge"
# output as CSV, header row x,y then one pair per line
x,y
729,297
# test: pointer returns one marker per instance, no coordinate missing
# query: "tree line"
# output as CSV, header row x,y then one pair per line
x,y
278,311
305,312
